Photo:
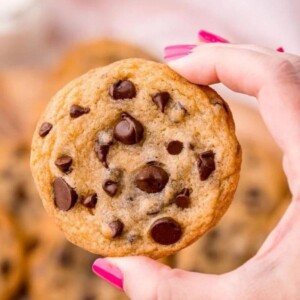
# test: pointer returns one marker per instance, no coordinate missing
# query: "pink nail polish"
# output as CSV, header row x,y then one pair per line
x,y
176,51
108,272
280,49
208,37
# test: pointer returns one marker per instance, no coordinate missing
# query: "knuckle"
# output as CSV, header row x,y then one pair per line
x,y
284,70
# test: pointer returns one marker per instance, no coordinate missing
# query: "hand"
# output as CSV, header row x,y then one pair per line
x,y
274,272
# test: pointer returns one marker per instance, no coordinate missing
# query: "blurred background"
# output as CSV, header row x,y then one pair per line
x,y
46,43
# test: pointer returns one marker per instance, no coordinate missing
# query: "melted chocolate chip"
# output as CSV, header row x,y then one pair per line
x,y
102,152
174,147
116,228
45,129
206,164
166,231
151,179
5,267
90,201
64,163
122,89
128,131
65,197
161,100
77,111
110,187
182,199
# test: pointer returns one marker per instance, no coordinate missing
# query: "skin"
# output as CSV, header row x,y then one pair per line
x,y
274,272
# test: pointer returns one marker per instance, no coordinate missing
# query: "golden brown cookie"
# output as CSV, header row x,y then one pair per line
x,y
259,203
89,55
11,257
131,159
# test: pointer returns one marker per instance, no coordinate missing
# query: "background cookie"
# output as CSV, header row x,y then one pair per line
x,y
260,201
89,55
18,193
151,200
11,257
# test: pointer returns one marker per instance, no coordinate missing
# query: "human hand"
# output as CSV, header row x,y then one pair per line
x,y
274,272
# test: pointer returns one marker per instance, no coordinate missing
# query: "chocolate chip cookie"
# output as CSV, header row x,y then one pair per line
x,y
60,270
19,196
11,257
131,159
89,55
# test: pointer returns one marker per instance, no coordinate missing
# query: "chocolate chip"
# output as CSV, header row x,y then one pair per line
x,y
151,179
174,147
117,228
64,163
77,111
5,267
128,131
90,201
65,197
166,231
65,256
45,129
110,187
253,199
206,164
102,152
182,199
122,89
32,244
191,146
161,99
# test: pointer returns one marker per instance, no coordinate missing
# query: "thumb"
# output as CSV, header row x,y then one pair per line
x,y
144,278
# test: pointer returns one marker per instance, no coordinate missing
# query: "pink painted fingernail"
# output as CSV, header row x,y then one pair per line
x,y
108,272
208,37
173,52
280,49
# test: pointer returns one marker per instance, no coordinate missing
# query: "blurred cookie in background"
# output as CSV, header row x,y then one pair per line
x,y
261,198
60,270
89,55
11,257
24,93
18,194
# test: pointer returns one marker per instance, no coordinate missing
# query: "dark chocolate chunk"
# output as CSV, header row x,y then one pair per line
x,y
161,100
102,152
45,129
116,228
90,201
5,267
110,187
151,179
64,163
166,231
77,111
65,197
182,199
174,147
128,131
206,164
122,89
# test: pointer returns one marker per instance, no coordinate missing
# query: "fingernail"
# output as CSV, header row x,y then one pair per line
x,y
280,49
208,37
173,52
108,272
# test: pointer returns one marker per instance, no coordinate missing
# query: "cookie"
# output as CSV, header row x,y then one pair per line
x,y
89,55
60,270
11,257
18,193
131,159
259,203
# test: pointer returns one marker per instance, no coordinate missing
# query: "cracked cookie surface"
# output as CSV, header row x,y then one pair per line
x,y
145,164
